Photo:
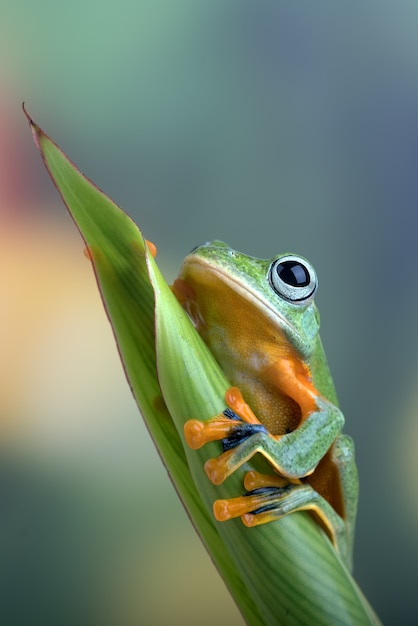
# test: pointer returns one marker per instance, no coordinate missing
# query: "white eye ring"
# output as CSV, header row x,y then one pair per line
x,y
293,278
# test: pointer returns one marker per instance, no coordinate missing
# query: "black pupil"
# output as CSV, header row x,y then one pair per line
x,y
293,273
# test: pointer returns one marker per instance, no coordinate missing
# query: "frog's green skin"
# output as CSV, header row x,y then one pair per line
x,y
262,328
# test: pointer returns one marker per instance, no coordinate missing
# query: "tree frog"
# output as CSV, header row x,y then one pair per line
x,y
259,319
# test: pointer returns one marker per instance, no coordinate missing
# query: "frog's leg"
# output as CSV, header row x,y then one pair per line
x,y
294,454
271,497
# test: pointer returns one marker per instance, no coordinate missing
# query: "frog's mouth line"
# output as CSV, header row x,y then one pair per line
x,y
244,292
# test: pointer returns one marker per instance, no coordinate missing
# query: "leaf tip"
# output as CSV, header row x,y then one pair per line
x,y
36,130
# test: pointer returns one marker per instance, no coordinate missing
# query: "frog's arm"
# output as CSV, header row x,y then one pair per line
x,y
294,455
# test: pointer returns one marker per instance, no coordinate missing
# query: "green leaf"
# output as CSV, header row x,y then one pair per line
x,y
285,572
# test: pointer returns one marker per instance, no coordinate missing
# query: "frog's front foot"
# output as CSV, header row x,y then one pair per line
x,y
231,427
228,425
198,433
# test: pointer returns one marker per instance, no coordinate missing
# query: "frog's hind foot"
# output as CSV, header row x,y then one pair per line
x,y
268,498
264,494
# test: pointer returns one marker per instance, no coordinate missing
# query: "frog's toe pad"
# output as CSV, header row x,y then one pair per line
x,y
194,434
215,470
221,510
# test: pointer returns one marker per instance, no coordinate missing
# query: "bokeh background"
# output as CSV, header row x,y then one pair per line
x,y
275,126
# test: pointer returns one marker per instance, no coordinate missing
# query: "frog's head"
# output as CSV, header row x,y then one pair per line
x,y
282,289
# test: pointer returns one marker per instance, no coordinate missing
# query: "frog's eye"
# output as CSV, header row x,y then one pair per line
x,y
293,278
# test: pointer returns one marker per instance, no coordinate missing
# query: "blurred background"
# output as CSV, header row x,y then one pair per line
x,y
274,126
